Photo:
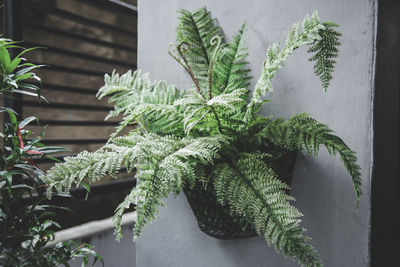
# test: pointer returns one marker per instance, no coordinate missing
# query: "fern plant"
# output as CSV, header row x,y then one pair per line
x,y
212,134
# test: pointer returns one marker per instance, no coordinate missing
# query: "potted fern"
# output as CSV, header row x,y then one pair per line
x,y
210,142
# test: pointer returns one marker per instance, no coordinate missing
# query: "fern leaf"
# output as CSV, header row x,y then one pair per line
x,y
253,191
143,101
164,164
166,170
325,51
233,100
198,110
230,69
197,28
304,133
277,56
115,83
86,165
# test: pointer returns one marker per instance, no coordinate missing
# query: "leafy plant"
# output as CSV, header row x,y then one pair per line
x,y
212,133
15,72
26,223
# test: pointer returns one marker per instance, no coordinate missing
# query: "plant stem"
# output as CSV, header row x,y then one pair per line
x,y
187,68
217,119
216,40
141,123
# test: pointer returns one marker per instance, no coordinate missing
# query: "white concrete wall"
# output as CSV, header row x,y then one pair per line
x,y
323,189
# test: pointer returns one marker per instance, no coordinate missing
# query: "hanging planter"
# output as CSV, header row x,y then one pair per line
x,y
214,219
219,221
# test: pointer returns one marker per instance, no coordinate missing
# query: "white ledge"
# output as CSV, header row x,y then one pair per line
x,y
90,228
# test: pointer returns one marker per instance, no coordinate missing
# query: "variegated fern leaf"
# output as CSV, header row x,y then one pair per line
x,y
212,133
253,190
141,101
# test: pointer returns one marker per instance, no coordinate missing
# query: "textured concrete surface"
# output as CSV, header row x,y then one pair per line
x,y
323,189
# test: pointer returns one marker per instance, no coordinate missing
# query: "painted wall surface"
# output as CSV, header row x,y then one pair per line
x,y
323,189
114,254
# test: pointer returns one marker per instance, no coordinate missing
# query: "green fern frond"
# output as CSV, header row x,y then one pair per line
x,y
230,68
197,28
163,163
304,133
253,191
192,98
86,165
119,212
108,160
233,100
277,56
199,112
115,83
143,102
166,170
325,51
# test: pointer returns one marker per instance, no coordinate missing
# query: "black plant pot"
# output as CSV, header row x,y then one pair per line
x,y
218,220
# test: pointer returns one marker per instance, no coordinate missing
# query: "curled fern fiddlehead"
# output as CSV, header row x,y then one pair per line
x,y
215,41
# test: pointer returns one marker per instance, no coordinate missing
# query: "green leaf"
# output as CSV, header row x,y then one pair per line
x,y
13,65
253,191
26,121
51,149
29,86
197,28
276,57
5,109
28,93
53,158
87,188
12,116
325,51
304,133
8,175
230,68
24,186
21,74
4,59
30,49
